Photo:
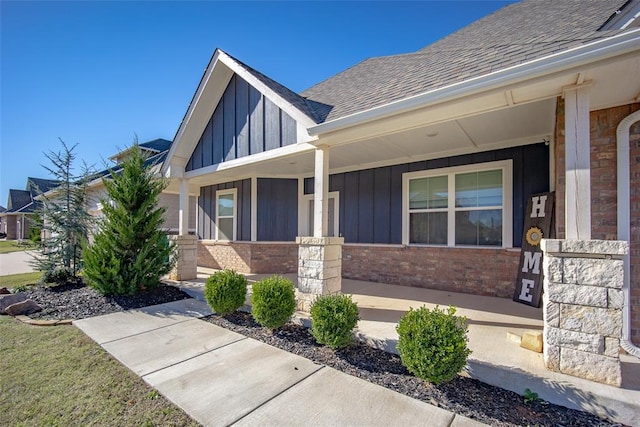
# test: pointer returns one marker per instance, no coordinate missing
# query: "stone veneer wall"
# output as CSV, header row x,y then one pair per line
x,y
603,127
249,257
319,268
486,271
582,308
186,267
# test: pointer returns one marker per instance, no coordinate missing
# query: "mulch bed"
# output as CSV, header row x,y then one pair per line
x,y
462,395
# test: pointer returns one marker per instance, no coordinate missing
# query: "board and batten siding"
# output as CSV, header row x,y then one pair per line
x,y
277,210
207,209
244,122
371,199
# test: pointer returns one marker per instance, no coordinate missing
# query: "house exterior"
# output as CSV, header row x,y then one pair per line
x,y
416,169
21,205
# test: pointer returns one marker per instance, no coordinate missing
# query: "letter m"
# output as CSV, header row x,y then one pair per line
x,y
531,262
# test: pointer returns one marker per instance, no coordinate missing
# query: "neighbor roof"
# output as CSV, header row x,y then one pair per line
x,y
40,185
18,199
158,145
513,35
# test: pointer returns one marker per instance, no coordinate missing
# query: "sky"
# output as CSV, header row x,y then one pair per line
x,y
101,73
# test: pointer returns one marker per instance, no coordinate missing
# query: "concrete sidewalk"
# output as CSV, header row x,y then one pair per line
x,y
223,378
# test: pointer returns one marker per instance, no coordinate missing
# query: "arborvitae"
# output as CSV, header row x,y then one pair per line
x,y
130,251
64,218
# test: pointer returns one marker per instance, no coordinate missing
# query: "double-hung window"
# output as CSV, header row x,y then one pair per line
x,y
226,214
459,206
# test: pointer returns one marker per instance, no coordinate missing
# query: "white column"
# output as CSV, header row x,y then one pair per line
x,y
183,221
321,193
254,209
577,164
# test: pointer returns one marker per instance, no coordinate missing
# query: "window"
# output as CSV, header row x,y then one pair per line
x,y
226,214
461,206
332,220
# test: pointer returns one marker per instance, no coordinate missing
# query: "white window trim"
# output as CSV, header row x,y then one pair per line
x,y
507,200
234,193
303,229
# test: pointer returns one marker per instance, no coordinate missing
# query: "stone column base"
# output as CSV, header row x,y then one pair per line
x,y
582,308
186,267
319,268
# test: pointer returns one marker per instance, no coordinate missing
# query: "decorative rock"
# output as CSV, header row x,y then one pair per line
x,y
9,299
591,366
23,307
514,337
4,291
532,340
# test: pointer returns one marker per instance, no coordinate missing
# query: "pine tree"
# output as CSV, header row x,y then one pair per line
x,y
130,251
64,218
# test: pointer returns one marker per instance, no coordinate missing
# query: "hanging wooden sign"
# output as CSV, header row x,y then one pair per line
x,y
537,226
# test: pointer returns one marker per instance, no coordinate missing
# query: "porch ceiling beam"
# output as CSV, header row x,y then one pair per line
x,y
577,163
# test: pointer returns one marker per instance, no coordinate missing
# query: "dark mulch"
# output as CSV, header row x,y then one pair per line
x,y
465,396
77,301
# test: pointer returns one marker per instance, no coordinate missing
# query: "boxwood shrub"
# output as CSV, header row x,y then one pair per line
x,y
333,318
273,301
433,343
225,291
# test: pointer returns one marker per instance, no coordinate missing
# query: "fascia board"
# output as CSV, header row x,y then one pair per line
x,y
579,56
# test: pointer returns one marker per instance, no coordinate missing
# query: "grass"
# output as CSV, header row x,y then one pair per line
x,y
57,376
13,281
7,246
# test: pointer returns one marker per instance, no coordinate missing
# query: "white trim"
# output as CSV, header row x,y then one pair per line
x,y
234,193
507,200
624,223
579,56
303,213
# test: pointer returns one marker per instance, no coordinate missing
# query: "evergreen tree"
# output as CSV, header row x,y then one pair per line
x,y
64,218
130,251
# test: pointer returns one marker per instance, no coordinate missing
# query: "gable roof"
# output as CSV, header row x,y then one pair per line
x,y
18,199
513,35
40,185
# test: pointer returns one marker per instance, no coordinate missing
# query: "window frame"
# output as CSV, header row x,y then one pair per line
x,y
507,201
305,228
234,193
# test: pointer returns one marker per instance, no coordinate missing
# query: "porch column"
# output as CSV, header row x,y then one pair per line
x,y
186,267
320,256
582,307
577,163
183,216
321,192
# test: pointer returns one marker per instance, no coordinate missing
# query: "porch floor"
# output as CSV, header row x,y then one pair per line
x,y
496,358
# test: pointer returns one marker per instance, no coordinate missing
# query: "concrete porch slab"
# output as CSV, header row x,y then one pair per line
x,y
317,401
224,385
115,326
160,348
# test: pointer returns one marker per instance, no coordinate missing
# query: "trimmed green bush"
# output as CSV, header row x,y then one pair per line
x,y
433,343
273,301
225,291
333,318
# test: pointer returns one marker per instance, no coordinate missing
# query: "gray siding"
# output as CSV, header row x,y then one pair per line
x,y
371,200
207,209
243,123
277,209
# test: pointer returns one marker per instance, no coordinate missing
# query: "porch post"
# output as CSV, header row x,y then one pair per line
x,y
320,256
186,266
321,192
183,226
577,163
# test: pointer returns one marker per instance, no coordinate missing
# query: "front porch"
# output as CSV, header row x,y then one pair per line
x,y
496,359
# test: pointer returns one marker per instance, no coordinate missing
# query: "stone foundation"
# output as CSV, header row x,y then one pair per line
x,y
582,308
186,267
319,268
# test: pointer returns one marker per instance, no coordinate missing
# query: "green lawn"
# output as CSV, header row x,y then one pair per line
x,y
57,376
13,281
7,246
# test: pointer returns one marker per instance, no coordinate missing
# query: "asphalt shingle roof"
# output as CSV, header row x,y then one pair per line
x,y
513,35
40,185
157,144
18,199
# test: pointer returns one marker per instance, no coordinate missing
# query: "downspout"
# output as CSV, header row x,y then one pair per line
x,y
624,224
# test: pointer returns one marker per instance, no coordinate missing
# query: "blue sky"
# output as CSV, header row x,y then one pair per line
x,y
98,73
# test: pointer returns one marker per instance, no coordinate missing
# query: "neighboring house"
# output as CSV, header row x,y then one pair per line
x,y
21,206
423,162
156,150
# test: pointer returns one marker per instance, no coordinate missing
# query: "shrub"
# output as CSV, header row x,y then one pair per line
x,y
433,343
333,317
273,301
225,291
